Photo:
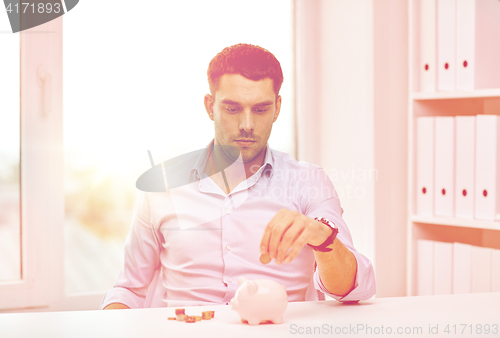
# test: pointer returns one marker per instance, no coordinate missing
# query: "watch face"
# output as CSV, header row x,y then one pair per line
x,y
327,222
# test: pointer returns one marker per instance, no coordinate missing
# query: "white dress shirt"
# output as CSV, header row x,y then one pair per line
x,y
204,238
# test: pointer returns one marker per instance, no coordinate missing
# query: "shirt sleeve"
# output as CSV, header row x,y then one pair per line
x,y
141,259
322,201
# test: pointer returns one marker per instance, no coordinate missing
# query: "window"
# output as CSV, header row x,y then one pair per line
x,y
132,83
38,141
136,83
10,212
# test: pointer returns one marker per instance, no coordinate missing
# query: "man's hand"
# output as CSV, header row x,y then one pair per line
x,y
116,306
291,230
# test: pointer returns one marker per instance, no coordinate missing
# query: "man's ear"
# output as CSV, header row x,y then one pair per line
x,y
278,108
209,106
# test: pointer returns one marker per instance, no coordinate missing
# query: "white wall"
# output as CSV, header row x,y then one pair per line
x,y
337,104
346,105
391,140
344,128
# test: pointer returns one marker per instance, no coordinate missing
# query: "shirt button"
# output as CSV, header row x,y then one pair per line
x,y
230,280
228,248
228,211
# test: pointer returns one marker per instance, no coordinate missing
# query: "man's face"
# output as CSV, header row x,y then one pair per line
x,y
243,112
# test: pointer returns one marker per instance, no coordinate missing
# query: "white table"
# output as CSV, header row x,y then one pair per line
x,y
328,318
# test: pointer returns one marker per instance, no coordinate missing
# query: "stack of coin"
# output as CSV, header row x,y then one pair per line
x,y
181,316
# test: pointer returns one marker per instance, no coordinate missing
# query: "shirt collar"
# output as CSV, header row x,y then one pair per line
x,y
268,163
199,166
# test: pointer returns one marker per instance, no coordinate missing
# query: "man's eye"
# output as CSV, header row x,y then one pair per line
x,y
232,109
261,110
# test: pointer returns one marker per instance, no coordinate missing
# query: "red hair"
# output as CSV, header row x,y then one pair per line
x,y
253,62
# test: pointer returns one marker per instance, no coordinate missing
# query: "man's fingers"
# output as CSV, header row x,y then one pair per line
x,y
279,230
297,246
264,243
286,234
289,237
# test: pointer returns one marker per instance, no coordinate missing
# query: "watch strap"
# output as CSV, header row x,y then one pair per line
x,y
324,247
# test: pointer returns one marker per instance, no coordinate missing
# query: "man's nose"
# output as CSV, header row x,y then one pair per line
x,y
247,122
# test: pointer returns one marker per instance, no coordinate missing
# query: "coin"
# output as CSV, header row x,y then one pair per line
x,y
190,319
265,258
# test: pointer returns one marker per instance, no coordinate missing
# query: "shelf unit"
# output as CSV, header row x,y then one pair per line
x,y
480,93
450,103
456,222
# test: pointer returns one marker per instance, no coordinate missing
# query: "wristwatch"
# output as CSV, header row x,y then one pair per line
x,y
323,247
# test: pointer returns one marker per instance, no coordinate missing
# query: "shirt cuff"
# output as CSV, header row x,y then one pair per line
x,y
124,296
364,285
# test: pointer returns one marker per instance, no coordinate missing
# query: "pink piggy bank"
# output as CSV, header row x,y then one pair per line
x,y
259,301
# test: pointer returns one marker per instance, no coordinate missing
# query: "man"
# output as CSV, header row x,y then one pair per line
x,y
266,206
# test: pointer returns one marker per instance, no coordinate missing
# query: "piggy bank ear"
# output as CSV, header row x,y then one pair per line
x,y
241,280
252,287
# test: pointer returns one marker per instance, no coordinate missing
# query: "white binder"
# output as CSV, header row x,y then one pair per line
x,y
425,166
495,270
478,50
443,263
425,267
481,269
487,182
444,167
446,22
427,66
462,265
487,51
466,30
465,139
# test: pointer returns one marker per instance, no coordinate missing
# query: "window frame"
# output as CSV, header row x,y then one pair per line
x,y
41,169
42,283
